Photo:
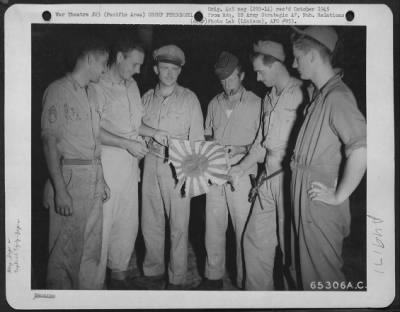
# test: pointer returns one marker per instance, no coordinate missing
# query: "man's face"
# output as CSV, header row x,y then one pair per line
x,y
130,64
265,73
167,73
97,65
302,62
232,84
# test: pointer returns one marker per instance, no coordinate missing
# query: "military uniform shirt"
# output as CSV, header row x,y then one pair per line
x,y
72,118
179,114
121,106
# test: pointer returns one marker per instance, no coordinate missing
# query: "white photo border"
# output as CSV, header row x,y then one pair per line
x,y
377,18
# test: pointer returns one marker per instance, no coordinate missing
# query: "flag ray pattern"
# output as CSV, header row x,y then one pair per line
x,y
197,164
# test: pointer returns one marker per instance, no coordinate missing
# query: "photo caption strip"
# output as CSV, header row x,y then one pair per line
x,y
238,14
380,200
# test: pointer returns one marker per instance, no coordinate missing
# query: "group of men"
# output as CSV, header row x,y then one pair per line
x,y
96,128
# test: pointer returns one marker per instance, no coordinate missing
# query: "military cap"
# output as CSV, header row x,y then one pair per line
x,y
325,35
169,54
271,48
225,65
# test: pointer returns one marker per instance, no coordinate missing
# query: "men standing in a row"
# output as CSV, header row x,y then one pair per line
x,y
233,120
118,96
320,191
176,110
70,133
265,227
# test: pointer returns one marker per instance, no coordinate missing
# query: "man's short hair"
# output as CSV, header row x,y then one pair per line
x,y
267,60
125,46
82,45
307,43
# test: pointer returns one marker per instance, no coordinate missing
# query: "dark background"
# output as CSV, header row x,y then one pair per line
x,y
52,47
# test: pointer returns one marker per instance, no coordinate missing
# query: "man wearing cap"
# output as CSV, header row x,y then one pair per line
x,y
176,110
328,162
233,120
118,96
265,229
70,133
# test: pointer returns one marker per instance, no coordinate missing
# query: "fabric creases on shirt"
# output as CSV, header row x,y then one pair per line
x,y
71,116
280,113
333,119
121,106
179,114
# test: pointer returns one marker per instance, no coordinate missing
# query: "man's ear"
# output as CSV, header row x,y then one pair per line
x,y
89,58
120,57
242,75
155,68
313,55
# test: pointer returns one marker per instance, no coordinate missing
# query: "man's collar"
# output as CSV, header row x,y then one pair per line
x,y
108,77
74,82
240,94
175,91
315,92
338,74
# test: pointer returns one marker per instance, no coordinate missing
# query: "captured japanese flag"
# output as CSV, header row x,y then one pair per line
x,y
197,164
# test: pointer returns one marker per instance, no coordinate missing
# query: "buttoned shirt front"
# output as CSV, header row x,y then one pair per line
x,y
240,127
69,115
279,116
237,128
120,104
179,113
280,113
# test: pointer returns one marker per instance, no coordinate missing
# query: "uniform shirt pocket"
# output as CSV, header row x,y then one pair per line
x,y
75,118
150,118
177,122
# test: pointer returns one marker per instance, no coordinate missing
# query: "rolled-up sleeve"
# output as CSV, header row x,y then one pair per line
x,y
346,121
98,98
53,117
196,132
104,107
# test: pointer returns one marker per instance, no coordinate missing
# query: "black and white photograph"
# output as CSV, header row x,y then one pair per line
x,y
199,63
199,159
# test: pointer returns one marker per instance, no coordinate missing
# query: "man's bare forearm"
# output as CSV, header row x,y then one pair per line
x,y
53,160
354,170
110,139
145,130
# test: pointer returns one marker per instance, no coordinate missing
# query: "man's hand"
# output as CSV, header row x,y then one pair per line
x,y
63,202
232,150
235,173
161,137
137,149
321,192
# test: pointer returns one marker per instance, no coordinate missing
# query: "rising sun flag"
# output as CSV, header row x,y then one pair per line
x,y
198,164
